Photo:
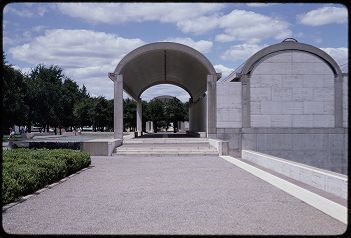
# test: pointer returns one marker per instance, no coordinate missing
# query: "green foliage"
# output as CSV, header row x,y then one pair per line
x,y
83,112
15,91
25,170
174,111
129,114
156,112
47,98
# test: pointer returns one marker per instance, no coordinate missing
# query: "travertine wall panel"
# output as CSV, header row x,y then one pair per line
x,y
229,105
292,89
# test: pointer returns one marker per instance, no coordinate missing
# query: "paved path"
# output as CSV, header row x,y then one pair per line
x,y
164,195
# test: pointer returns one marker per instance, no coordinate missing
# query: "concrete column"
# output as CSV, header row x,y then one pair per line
x,y
118,107
191,115
152,126
139,117
338,101
245,99
211,106
147,127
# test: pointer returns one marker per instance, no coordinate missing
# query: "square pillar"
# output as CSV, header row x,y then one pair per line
x,y
139,117
211,106
118,107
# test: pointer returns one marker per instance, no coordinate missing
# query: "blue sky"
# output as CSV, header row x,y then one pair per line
x,y
89,39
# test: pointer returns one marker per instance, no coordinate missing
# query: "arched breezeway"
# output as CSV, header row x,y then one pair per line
x,y
170,63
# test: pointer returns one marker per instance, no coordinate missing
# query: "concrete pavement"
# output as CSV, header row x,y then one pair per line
x,y
166,195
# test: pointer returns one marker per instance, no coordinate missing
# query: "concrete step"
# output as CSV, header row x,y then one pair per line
x,y
165,141
165,153
166,147
122,148
180,145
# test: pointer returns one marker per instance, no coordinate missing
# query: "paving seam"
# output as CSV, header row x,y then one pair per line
x,y
327,206
49,186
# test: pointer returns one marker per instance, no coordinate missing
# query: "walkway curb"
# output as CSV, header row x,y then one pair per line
x,y
330,208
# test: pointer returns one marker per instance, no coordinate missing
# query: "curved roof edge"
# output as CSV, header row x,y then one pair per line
x,y
165,46
290,45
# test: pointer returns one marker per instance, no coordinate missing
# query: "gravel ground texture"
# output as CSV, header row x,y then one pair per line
x,y
166,195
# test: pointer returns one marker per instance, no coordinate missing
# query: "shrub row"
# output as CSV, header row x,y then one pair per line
x,y
27,170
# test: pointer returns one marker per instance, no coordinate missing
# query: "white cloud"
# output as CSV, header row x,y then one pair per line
x,y
165,89
223,69
260,4
116,13
202,45
195,18
241,52
86,56
340,55
251,27
324,15
26,10
24,70
199,25
74,48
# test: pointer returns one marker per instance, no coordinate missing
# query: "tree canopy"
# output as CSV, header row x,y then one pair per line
x,y
47,98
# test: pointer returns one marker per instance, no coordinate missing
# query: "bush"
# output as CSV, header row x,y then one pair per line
x,y
27,170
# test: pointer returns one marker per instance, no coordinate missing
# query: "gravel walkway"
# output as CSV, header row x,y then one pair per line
x,y
164,195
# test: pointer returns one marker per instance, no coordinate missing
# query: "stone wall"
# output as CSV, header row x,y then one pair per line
x,y
345,105
229,115
229,105
319,147
292,89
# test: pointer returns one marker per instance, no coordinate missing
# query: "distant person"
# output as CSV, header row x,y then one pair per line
x,y
12,133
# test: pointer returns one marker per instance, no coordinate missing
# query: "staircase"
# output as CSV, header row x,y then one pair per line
x,y
166,147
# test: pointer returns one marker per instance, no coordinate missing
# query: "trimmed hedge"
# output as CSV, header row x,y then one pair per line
x,y
26,170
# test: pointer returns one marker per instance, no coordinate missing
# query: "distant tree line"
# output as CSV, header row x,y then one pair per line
x,y
161,113
46,98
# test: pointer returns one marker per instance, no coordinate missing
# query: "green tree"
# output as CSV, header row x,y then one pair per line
x,y
174,112
83,112
47,93
129,114
101,113
156,113
109,114
70,96
14,91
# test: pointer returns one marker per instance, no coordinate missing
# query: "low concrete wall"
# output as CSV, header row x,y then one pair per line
x,y
221,146
325,180
323,148
32,134
233,136
100,147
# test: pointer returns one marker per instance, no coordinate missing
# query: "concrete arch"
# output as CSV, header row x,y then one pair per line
x,y
282,47
289,45
166,63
